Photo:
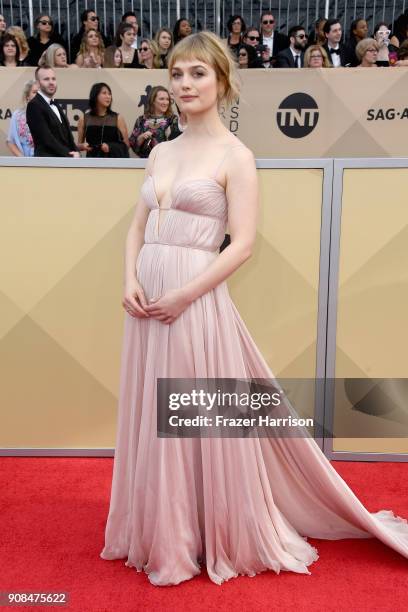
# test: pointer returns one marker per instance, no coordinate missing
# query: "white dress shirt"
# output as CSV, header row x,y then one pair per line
x,y
268,40
335,58
52,106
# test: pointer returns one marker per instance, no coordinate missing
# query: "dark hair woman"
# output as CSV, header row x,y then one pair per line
x,y
182,29
101,131
358,31
9,51
159,123
236,28
45,37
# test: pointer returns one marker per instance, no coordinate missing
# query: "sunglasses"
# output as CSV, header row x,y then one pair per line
x,y
145,48
94,18
45,22
301,36
266,21
253,37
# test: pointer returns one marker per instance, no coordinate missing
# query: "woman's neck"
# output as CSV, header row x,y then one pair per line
x,y
101,111
149,63
10,62
44,38
126,48
205,126
235,38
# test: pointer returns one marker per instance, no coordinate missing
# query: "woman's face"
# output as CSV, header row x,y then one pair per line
x,y
361,29
92,21
104,98
60,58
117,58
316,59
92,39
45,24
164,41
382,34
184,28
236,26
33,92
145,52
161,103
194,85
370,56
3,24
243,58
128,37
10,50
253,38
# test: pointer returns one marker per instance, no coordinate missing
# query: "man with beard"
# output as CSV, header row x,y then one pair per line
x,y
293,56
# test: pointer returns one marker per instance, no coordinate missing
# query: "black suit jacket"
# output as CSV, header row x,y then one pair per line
x,y
52,138
344,57
285,59
280,42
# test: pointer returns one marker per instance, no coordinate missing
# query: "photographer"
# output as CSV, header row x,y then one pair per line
x,y
101,131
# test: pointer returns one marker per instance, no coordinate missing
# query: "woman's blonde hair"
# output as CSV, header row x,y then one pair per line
x,y
363,45
322,51
48,57
84,49
20,37
210,49
154,47
26,91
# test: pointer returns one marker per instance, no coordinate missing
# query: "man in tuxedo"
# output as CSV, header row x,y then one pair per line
x,y
335,50
294,55
48,124
275,41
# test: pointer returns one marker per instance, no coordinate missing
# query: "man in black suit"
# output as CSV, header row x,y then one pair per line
x,y
336,51
48,124
294,55
275,41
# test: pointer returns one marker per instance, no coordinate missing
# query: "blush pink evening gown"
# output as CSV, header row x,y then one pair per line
x,y
235,505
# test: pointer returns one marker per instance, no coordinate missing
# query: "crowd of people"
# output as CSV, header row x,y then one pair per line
x,y
103,133
260,46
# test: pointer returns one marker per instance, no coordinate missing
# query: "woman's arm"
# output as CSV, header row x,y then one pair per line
x,y
79,60
134,300
13,139
82,145
14,149
243,203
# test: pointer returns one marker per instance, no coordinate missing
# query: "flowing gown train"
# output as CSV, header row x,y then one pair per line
x,y
235,505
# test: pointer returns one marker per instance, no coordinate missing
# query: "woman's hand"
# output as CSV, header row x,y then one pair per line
x,y
134,300
145,136
84,146
169,306
105,147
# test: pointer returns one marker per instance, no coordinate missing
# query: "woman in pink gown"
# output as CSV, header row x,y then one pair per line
x,y
235,505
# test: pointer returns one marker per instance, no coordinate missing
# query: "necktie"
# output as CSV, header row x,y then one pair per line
x,y
337,51
297,61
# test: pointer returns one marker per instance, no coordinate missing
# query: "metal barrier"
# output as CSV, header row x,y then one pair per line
x,y
154,14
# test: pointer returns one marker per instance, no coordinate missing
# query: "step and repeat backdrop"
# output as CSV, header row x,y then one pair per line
x,y
343,112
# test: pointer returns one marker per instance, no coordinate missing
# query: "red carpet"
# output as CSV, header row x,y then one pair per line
x,y
52,520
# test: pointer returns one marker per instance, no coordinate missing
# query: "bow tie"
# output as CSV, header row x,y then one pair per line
x,y
53,102
335,51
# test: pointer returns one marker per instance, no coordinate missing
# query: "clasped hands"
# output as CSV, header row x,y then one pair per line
x,y
165,308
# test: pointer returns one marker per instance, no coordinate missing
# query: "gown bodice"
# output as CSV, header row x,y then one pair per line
x,y
196,218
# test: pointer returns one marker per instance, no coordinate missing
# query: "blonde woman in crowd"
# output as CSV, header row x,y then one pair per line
x,y
56,57
19,139
21,39
150,54
164,40
91,51
367,53
316,57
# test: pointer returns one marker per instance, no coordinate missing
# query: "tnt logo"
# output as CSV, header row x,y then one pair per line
x,y
74,109
297,115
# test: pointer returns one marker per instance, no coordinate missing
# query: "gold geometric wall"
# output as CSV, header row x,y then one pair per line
x,y
62,243
372,328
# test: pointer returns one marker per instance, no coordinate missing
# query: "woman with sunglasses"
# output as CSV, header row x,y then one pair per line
x,y
45,37
89,21
150,54
387,52
252,37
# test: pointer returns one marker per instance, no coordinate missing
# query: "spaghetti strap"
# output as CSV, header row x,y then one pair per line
x,y
229,147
